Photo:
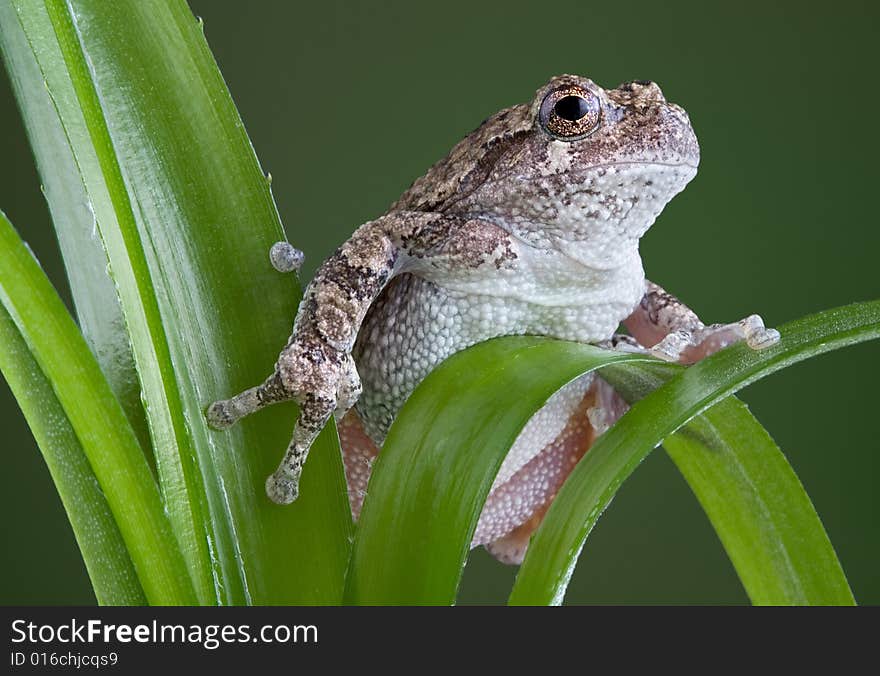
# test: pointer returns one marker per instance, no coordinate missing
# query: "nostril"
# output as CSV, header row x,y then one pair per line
x,y
645,90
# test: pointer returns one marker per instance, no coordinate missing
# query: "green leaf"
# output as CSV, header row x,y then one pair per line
x,y
759,509
186,218
556,545
109,566
440,458
753,498
84,436
94,294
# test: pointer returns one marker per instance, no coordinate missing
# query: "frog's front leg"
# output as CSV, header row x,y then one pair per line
x,y
316,369
673,331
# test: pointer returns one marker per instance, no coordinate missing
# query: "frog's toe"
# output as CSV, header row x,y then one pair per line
x,y
220,415
673,346
282,488
759,337
285,257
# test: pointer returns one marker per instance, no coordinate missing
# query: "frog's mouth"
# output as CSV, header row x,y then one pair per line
x,y
579,176
596,215
601,192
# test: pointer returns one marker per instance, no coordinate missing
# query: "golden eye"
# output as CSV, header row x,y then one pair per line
x,y
570,113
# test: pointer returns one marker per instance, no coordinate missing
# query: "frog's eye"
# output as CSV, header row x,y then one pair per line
x,y
570,113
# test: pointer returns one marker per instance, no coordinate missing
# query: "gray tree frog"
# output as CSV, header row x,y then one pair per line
x,y
530,225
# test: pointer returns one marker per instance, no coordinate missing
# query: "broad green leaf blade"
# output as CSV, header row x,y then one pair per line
x,y
110,569
94,295
187,218
440,458
759,509
49,31
753,498
556,545
87,417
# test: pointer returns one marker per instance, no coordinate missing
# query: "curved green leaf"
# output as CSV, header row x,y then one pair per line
x,y
72,411
759,509
94,295
753,498
109,566
186,219
556,545
440,458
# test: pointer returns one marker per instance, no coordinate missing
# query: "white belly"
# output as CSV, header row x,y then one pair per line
x,y
416,323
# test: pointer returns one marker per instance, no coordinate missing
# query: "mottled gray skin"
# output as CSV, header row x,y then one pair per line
x,y
530,225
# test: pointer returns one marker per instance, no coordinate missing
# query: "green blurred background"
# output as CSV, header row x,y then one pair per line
x,y
346,103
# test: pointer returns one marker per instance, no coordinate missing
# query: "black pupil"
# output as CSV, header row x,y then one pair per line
x,y
571,108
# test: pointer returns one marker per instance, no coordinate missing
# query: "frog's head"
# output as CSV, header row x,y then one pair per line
x,y
632,124
580,167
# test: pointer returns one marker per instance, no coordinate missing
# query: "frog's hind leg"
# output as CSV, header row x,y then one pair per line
x,y
515,508
525,498
358,454
224,413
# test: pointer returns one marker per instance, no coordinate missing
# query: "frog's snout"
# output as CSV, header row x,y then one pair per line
x,y
644,90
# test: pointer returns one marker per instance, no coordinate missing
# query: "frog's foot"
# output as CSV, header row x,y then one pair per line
x,y
282,486
285,257
688,347
224,413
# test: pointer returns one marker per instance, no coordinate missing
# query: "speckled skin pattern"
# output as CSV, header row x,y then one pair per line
x,y
530,225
